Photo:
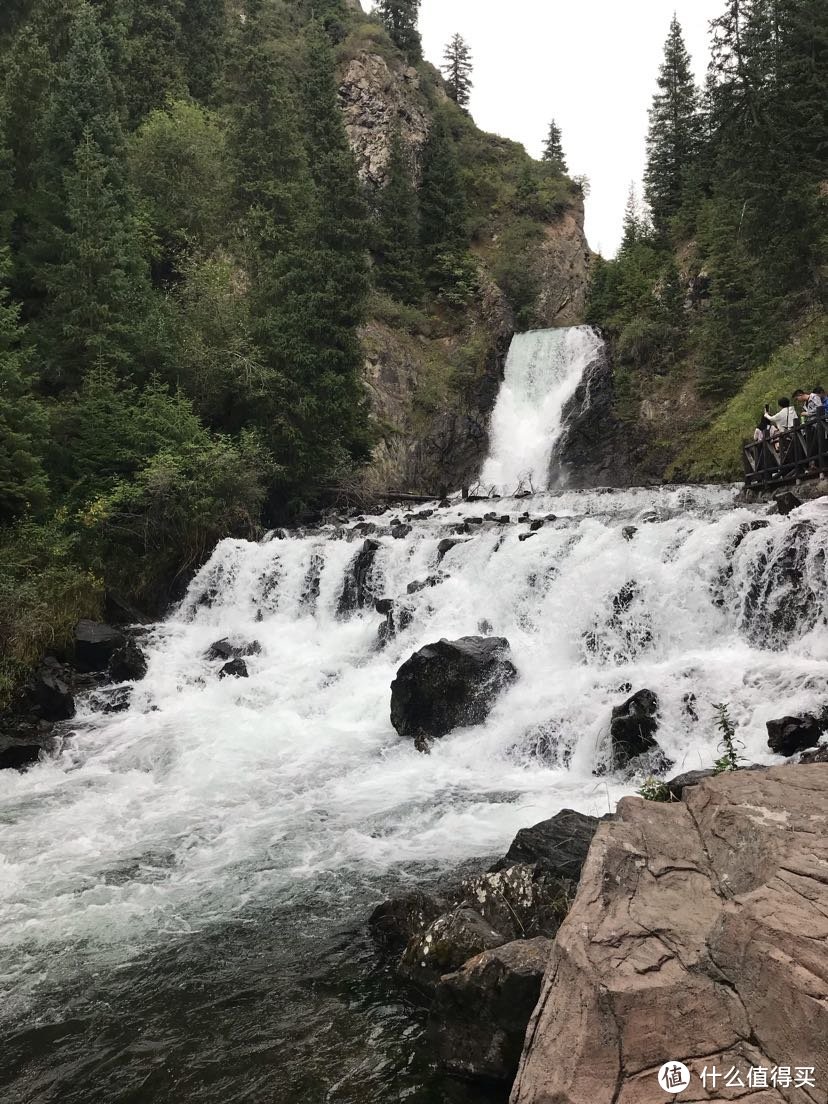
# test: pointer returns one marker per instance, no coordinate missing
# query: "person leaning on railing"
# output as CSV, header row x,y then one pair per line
x,y
786,418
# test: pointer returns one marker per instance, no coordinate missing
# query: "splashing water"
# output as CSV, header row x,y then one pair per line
x,y
184,871
543,370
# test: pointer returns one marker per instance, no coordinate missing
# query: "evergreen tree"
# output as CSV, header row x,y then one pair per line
x,y
553,153
340,232
443,234
23,424
400,19
398,229
154,58
305,381
457,68
85,250
672,141
632,222
203,42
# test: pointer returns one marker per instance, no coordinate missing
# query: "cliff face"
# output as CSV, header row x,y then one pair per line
x,y
433,375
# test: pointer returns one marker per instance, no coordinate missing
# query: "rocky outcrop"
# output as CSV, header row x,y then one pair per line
x,y
378,98
699,934
356,591
449,684
562,265
434,434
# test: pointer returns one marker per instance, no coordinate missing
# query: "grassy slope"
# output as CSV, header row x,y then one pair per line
x,y
714,452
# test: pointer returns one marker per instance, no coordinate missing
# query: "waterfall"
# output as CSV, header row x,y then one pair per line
x,y
231,829
543,370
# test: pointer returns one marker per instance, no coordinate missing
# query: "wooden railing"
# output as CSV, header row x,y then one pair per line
x,y
799,453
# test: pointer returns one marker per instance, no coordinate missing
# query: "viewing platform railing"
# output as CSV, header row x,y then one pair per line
x,y
799,453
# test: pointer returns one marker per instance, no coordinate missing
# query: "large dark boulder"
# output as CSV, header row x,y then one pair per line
x,y
236,668
633,727
24,743
47,693
786,502
558,845
128,663
95,643
480,1013
356,591
788,735
449,684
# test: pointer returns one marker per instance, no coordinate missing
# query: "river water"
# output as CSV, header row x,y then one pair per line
x,y
183,892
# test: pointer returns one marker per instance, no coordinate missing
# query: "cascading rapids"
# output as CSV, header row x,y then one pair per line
x,y
543,370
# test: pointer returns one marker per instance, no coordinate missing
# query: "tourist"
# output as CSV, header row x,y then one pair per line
x,y
786,418
815,404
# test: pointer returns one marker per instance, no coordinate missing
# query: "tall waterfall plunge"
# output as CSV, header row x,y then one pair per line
x,y
183,891
543,370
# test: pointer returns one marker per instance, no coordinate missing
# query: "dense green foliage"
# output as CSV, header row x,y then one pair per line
x,y
400,19
726,265
187,256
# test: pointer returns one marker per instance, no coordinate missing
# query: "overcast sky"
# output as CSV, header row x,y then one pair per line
x,y
590,64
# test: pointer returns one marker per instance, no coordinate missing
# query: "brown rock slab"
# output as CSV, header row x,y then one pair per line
x,y
699,933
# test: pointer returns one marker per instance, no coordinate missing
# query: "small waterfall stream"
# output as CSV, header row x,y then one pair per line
x,y
183,891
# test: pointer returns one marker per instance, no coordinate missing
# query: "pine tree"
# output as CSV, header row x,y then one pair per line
x,y
304,379
553,153
23,424
203,42
400,19
443,234
155,61
340,247
398,229
85,251
631,224
673,138
457,67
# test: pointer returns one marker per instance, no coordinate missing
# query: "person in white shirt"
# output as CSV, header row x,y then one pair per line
x,y
786,418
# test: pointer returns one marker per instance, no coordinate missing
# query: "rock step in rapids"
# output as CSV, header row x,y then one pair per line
x,y
449,684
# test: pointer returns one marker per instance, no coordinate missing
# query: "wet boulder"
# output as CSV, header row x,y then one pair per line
x,y
788,735
677,785
18,751
449,941
236,668
128,663
227,649
449,684
628,532
47,692
559,846
397,921
786,501
356,590
445,546
633,727
519,900
481,1011
817,755
95,644
400,532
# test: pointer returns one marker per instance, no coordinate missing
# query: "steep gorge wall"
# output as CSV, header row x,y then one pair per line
x,y
433,377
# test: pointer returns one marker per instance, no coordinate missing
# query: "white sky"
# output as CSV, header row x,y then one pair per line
x,y
589,64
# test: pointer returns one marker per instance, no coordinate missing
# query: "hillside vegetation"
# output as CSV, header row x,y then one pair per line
x,y
715,302
188,260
